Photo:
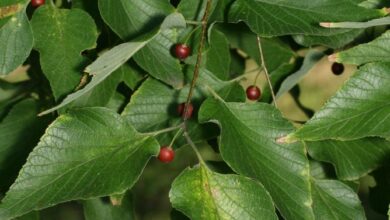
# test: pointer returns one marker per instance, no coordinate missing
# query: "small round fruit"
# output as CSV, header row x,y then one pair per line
x,y
37,3
182,51
166,154
190,110
253,93
337,68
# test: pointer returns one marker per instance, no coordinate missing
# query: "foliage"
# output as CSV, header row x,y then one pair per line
x,y
89,93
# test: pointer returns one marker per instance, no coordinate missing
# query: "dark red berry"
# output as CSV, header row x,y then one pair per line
x,y
337,68
182,51
253,93
166,154
190,110
37,3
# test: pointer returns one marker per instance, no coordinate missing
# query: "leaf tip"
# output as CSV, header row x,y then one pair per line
x,y
45,112
115,201
326,24
385,11
333,57
286,139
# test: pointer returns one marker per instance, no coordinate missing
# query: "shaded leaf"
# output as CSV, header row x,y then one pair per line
x,y
334,200
312,57
156,59
218,56
276,53
132,74
276,77
193,10
76,158
352,159
97,209
132,18
19,132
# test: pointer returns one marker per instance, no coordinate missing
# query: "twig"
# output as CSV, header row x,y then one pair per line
x,y
195,78
155,133
266,70
198,59
191,143
194,22
176,135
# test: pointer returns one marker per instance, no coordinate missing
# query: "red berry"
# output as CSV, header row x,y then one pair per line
x,y
166,154
37,3
182,51
253,93
337,68
190,110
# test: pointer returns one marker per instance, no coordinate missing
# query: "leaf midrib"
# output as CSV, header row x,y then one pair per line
x,y
76,167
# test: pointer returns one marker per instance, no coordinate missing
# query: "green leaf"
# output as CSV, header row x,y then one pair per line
x,y
97,209
352,159
110,61
335,41
372,3
379,196
277,76
30,216
157,60
60,37
101,94
334,200
284,17
193,10
377,50
154,104
19,133
103,67
360,109
16,42
322,170
218,56
312,57
117,102
132,18
76,158
202,194
237,64
276,53
132,74
9,94
248,145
